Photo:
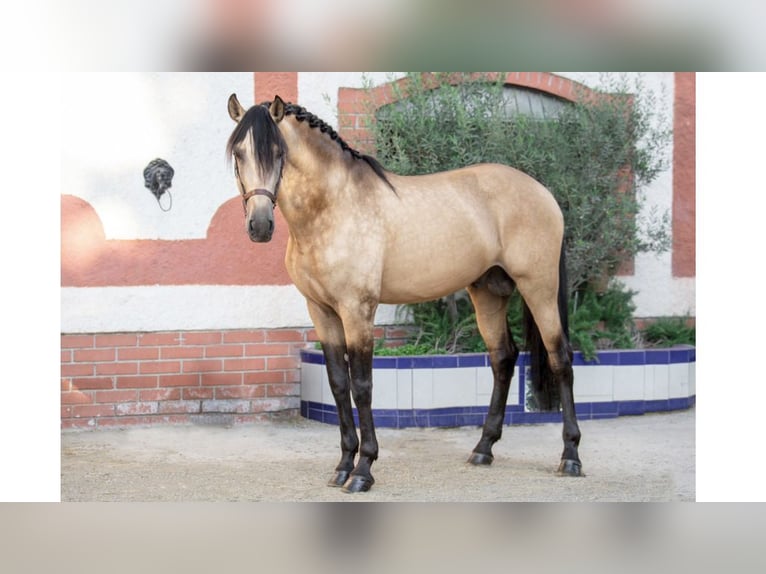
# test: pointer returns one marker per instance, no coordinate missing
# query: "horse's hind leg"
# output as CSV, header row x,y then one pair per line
x,y
547,314
330,331
490,296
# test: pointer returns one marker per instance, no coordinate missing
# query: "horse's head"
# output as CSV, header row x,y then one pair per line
x,y
258,150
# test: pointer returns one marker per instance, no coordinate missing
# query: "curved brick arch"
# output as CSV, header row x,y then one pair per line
x,y
225,257
355,105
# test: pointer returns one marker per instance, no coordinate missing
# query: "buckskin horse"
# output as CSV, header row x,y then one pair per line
x,y
360,235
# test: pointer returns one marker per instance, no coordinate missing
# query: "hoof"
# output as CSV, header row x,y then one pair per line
x,y
358,483
480,459
570,468
339,479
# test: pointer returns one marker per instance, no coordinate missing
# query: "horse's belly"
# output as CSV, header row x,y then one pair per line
x,y
411,280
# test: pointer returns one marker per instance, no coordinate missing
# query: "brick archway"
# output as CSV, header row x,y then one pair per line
x,y
356,104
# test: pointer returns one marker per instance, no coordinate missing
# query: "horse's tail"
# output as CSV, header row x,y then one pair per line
x,y
544,384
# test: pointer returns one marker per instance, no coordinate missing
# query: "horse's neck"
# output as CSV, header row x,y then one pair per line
x,y
316,172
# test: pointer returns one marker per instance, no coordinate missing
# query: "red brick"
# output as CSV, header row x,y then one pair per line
x,y
71,423
116,340
149,408
198,393
116,396
276,363
74,370
311,336
66,384
137,382
283,390
66,356
241,392
125,421
267,349
137,353
244,364
398,332
116,368
355,106
210,379
160,394
76,341
151,367
182,352
66,412
202,338
176,407
244,336
179,381
224,351
159,339
89,411
94,355
226,406
285,335
260,377
272,404
92,383
204,366
76,398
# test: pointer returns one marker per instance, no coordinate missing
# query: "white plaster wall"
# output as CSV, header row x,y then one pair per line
x,y
114,124
188,307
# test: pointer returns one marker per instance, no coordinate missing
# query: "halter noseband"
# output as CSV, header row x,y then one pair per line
x,y
258,191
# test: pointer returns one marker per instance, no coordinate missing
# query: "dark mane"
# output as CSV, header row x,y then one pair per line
x,y
302,115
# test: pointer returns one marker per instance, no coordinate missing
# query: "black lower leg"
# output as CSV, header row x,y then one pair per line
x,y
570,459
503,361
360,361
338,374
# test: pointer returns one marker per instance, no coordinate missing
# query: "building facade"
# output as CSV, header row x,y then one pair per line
x,y
171,315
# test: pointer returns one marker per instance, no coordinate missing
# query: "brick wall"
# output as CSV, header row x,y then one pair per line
x,y
228,376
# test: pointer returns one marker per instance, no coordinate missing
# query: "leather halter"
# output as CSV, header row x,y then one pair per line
x,y
258,191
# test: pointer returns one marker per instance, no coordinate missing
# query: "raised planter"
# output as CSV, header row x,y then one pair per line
x,y
454,390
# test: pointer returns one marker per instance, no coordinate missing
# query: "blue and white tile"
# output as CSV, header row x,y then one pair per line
x,y
629,383
679,380
657,386
422,388
593,383
384,389
454,387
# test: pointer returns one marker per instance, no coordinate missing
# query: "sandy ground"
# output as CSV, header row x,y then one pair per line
x,y
642,458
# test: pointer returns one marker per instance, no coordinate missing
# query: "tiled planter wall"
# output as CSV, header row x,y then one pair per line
x,y
454,390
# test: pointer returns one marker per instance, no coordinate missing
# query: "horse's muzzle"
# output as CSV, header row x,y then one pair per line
x,y
260,227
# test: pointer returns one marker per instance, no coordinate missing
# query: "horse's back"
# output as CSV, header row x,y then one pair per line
x,y
446,229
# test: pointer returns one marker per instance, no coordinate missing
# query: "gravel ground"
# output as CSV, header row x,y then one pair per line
x,y
642,458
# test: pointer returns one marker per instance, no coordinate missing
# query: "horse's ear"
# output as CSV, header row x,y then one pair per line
x,y
236,111
277,109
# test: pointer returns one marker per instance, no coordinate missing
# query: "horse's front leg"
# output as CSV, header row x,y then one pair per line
x,y
358,327
330,331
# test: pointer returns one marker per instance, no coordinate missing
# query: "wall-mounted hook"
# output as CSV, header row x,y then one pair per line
x,y
158,177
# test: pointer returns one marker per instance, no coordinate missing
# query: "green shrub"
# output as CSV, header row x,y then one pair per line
x,y
669,331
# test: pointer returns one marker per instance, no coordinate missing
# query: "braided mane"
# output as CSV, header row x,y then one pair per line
x,y
302,115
